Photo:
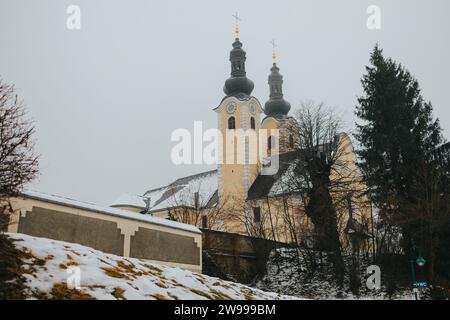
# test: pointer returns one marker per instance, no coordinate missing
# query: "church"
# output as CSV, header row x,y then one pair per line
x,y
240,197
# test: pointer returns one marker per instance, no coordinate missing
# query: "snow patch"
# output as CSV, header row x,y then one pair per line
x,y
107,276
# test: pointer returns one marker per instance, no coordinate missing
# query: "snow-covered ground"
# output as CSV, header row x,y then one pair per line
x,y
49,264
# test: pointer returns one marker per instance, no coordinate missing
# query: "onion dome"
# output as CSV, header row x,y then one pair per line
x,y
238,83
276,106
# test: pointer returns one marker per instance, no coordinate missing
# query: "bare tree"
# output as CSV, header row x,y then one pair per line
x,y
192,206
18,166
322,175
18,161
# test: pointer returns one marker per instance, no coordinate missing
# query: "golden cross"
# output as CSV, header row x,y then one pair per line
x,y
274,55
237,19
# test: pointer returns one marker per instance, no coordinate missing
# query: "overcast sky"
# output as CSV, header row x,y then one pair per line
x,y
106,98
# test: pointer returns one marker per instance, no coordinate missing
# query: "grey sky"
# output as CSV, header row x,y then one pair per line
x,y
107,97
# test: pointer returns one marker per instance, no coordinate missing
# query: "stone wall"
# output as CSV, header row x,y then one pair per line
x,y
111,231
240,257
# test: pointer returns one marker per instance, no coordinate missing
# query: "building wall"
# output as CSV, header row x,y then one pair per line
x,y
111,234
236,178
282,130
283,217
242,257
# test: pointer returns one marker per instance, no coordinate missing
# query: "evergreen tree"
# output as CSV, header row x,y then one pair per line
x,y
398,138
397,133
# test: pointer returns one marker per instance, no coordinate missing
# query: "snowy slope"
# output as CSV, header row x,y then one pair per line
x,y
49,263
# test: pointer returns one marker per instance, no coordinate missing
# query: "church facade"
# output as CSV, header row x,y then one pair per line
x,y
242,196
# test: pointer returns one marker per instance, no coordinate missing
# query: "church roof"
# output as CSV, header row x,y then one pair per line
x,y
129,200
279,183
180,193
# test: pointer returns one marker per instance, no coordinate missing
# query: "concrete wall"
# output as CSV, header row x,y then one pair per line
x,y
129,237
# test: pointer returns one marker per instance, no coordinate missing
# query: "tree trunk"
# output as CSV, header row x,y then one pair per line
x,y
321,210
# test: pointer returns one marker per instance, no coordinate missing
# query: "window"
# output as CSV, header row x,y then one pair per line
x,y
270,142
252,123
231,123
291,141
257,214
204,222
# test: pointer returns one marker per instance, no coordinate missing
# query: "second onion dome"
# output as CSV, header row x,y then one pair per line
x,y
276,107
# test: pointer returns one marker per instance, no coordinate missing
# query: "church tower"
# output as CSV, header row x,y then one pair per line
x,y
238,117
279,126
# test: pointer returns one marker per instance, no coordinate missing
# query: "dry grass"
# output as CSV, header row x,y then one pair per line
x,y
60,291
161,285
158,296
172,296
202,293
69,264
115,273
220,295
118,293
153,268
248,294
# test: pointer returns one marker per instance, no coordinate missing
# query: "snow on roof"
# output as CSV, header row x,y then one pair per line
x,y
283,184
108,210
129,200
180,193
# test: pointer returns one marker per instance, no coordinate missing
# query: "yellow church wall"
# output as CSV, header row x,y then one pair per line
x,y
282,130
283,217
238,169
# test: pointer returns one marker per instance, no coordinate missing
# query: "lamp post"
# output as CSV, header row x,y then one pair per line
x,y
420,261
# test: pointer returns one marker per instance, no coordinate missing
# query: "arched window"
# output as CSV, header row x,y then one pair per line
x,y
291,141
231,123
252,123
270,143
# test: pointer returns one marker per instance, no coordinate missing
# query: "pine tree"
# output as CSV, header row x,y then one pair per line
x,y
397,133
398,138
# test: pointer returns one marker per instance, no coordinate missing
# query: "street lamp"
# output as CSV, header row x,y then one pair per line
x,y
420,261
